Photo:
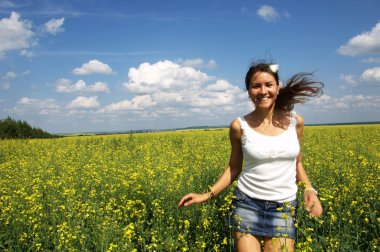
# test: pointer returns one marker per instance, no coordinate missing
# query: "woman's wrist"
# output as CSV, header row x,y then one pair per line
x,y
210,194
310,189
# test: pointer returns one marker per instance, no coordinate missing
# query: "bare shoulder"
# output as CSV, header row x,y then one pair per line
x,y
235,128
300,121
235,124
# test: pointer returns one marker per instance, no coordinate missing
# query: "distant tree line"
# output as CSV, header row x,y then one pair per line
x,y
10,129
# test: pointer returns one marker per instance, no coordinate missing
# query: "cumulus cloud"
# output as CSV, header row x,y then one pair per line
x,y
352,80
371,76
222,85
82,102
173,90
326,102
28,105
10,75
139,102
66,86
54,26
42,105
197,63
93,67
268,13
7,78
15,34
163,75
27,53
212,99
365,43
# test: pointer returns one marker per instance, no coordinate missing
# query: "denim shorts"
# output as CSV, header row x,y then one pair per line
x,y
262,218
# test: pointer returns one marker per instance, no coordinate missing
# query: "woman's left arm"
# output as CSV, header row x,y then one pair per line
x,y
312,203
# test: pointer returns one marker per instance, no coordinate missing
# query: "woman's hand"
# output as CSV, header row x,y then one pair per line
x,y
192,198
312,204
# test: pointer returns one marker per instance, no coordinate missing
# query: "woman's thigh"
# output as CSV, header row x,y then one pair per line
x,y
278,244
247,242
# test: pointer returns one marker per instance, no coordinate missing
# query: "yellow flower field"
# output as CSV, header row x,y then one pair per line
x,y
120,192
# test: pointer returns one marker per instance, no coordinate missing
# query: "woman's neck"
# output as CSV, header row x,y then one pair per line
x,y
269,118
264,115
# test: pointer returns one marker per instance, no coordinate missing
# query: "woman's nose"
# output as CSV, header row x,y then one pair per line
x,y
262,90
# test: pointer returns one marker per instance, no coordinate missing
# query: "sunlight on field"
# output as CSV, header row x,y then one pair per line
x,y
119,192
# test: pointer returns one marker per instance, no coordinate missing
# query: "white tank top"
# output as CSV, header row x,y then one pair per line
x,y
269,163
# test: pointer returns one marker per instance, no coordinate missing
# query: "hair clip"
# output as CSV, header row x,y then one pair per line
x,y
274,67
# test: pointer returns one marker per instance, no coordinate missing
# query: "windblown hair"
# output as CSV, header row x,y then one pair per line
x,y
297,89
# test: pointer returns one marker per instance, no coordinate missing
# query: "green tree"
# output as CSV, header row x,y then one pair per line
x,y
11,129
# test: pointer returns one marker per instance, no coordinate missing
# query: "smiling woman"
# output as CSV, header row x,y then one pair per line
x,y
267,142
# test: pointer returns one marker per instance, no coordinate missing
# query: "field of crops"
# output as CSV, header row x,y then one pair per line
x,y
120,192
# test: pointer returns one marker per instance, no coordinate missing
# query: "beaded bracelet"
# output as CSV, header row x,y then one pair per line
x,y
210,194
310,189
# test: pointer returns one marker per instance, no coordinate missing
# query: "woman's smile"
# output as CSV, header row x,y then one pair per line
x,y
263,89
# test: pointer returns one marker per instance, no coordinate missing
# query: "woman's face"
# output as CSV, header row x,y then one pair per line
x,y
263,90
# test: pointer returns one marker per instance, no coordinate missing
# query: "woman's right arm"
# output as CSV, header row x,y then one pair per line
x,y
230,173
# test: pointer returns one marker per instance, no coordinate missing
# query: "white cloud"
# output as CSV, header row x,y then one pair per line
x,y
7,77
168,90
326,102
84,102
244,10
66,86
268,13
93,67
48,103
35,106
54,26
6,85
372,60
367,42
163,75
372,76
137,103
26,53
210,99
198,63
26,72
168,97
15,34
10,75
352,80
222,85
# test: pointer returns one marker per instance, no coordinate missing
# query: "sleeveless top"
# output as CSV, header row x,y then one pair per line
x,y
269,171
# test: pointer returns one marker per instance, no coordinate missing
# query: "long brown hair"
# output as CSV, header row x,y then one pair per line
x,y
297,89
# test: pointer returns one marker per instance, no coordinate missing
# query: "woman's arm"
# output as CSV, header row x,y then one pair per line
x,y
228,176
312,203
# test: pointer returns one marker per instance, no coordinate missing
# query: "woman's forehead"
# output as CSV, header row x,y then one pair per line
x,y
262,77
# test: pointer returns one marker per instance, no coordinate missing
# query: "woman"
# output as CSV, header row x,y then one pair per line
x,y
268,141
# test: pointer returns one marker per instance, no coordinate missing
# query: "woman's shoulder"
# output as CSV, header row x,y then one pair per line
x,y
299,120
236,124
235,127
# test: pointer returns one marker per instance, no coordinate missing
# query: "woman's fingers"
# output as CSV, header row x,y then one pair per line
x,y
186,200
192,198
316,210
313,205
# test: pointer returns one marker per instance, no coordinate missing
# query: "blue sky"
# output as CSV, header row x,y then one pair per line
x,y
97,65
